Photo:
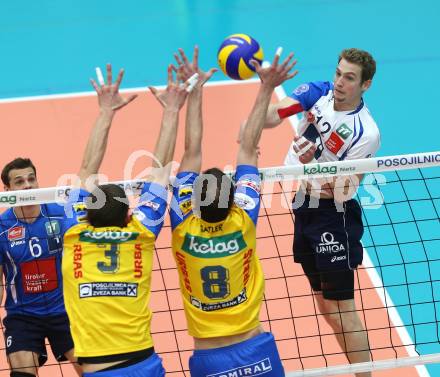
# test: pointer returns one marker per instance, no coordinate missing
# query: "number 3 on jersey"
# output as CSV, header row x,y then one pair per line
x,y
112,265
215,282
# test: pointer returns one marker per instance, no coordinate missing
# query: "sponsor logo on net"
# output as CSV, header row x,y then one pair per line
x,y
107,236
214,247
319,169
8,199
328,244
260,367
410,160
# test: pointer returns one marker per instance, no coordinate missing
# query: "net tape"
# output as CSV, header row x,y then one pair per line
x,y
271,174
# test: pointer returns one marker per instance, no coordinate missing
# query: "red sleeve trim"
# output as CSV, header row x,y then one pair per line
x,y
290,110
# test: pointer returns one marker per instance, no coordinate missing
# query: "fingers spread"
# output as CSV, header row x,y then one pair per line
x,y
95,86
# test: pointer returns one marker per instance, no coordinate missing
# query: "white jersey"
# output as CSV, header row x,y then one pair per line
x,y
339,135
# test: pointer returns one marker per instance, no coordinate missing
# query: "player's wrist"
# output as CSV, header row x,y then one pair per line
x,y
106,112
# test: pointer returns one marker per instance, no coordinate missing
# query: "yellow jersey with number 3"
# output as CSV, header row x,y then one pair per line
x,y
221,279
107,282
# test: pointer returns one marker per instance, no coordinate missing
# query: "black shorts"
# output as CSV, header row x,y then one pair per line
x,y
28,333
327,243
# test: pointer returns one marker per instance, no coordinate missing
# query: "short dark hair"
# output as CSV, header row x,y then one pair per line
x,y
17,163
114,210
361,58
220,196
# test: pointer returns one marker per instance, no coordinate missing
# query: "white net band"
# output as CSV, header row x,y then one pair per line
x,y
271,174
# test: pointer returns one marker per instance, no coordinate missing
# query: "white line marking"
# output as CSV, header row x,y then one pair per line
x,y
392,311
128,90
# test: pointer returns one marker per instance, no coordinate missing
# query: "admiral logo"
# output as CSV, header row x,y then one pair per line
x,y
8,199
107,236
214,247
329,245
260,367
332,169
16,233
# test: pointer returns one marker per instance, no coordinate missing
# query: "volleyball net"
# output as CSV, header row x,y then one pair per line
x,y
396,288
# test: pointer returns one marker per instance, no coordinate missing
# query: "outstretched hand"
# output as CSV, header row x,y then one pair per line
x,y
185,69
275,74
109,98
175,94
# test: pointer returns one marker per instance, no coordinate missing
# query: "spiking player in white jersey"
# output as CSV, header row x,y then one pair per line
x,y
337,125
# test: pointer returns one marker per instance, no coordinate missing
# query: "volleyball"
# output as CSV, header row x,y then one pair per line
x,y
235,53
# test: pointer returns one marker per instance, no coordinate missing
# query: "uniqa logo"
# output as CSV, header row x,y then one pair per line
x,y
328,244
318,169
107,236
12,199
214,247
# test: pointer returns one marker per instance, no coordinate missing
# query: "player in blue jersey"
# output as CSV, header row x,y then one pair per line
x,y
214,243
336,125
30,253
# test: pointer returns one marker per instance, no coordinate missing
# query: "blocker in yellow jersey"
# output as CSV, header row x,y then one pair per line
x,y
220,274
107,278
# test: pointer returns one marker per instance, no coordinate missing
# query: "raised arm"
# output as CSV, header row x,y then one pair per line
x,y
192,156
277,112
110,101
270,77
172,99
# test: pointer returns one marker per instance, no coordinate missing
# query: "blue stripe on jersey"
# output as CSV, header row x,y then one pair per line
x,y
181,203
153,205
247,190
308,94
361,132
359,108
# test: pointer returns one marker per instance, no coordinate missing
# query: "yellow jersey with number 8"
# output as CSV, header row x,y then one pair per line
x,y
221,278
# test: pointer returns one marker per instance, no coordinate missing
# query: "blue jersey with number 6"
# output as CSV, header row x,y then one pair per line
x,y
30,254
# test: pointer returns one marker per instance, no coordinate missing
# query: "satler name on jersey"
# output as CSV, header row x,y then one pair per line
x,y
214,247
107,236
